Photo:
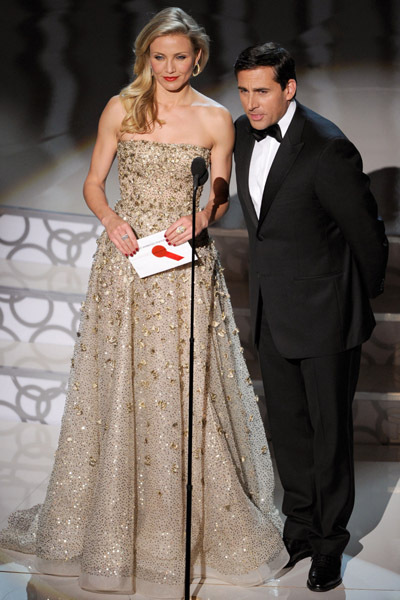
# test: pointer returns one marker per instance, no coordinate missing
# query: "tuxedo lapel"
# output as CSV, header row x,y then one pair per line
x,y
242,169
284,159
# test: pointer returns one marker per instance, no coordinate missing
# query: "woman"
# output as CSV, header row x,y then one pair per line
x,y
115,505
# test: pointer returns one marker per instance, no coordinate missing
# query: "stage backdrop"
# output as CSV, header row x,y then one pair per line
x,y
63,59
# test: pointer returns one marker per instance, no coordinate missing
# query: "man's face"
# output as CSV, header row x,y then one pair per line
x,y
262,98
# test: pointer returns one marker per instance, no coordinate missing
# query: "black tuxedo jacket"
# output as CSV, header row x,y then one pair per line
x,y
318,250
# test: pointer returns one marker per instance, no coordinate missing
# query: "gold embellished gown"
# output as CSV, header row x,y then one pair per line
x,y
114,513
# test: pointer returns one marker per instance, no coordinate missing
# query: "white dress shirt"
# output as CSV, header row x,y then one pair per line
x,y
262,158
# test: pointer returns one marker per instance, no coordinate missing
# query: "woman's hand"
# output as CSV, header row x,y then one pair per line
x,y
117,230
181,231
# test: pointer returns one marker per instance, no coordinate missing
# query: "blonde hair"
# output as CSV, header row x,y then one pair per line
x,y
138,97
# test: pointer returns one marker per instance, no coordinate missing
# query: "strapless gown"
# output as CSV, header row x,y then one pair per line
x,y
114,512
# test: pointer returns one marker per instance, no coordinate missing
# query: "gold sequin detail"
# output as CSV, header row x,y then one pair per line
x,y
116,494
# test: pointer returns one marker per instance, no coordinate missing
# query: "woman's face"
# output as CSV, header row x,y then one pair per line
x,y
172,59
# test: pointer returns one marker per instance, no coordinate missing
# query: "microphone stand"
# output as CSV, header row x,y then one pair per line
x,y
200,176
189,486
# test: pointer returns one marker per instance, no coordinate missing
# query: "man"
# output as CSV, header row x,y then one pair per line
x,y
317,252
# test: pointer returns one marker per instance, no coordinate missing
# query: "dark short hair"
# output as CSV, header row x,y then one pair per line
x,y
269,54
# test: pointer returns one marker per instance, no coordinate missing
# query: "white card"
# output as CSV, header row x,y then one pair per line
x,y
155,255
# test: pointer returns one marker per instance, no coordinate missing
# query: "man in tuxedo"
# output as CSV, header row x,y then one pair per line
x,y
318,251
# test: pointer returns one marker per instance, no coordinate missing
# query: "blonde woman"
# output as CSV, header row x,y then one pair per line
x,y
115,507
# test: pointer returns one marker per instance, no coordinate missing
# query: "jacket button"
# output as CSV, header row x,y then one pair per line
x,y
260,237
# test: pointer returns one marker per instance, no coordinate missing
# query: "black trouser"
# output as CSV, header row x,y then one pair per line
x,y
309,404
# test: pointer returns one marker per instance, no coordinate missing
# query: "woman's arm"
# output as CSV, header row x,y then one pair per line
x,y
94,187
222,133
221,166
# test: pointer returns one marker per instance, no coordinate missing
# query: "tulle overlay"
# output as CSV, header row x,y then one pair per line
x,y
115,506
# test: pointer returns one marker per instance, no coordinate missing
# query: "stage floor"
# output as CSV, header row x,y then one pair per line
x,y
371,564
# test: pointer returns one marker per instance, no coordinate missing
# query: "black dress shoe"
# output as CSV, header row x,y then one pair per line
x,y
298,549
324,574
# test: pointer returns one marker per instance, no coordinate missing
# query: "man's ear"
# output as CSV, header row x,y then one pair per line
x,y
291,87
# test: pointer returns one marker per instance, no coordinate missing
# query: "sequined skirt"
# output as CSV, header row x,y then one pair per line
x,y
115,506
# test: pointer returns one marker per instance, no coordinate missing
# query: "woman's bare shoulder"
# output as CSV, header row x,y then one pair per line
x,y
215,113
202,101
112,115
114,107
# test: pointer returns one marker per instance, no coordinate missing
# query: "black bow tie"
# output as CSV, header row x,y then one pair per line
x,y
273,131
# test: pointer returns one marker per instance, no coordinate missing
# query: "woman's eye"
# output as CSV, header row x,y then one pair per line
x,y
158,57
181,57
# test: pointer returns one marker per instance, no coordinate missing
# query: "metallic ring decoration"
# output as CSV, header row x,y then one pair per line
x,y
180,229
124,237
196,70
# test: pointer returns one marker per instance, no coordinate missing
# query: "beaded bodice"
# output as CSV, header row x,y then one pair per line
x,y
156,183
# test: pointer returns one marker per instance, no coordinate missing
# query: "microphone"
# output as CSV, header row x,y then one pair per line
x,y
199,171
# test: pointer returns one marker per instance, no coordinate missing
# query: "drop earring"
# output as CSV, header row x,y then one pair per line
x,y
196,70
